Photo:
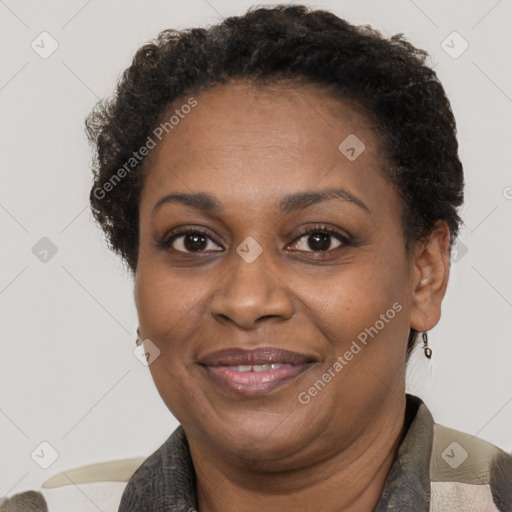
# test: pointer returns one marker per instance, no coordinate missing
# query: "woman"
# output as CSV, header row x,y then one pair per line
x,y
284,188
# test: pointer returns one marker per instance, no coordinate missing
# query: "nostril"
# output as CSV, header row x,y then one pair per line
x,y
222,317
267,316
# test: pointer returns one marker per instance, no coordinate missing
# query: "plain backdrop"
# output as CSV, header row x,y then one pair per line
x,y
68,374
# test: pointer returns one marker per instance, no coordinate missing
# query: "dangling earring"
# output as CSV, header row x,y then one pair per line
x,y
426,348
138,341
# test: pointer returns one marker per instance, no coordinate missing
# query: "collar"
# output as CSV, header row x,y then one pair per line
x,y
408,480
166,481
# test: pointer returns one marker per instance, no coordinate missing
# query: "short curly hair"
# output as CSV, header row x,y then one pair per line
x,y
386,77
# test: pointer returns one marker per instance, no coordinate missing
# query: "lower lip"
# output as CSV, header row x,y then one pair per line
x,y
254,383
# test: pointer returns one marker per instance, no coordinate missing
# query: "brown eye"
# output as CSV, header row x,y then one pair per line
x,y
189,241
320,240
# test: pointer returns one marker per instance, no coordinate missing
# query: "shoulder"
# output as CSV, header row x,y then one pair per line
x,y
468,471
166,477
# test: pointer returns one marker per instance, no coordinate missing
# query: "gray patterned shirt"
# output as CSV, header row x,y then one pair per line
x,y
436,469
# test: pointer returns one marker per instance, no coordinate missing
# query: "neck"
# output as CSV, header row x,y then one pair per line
x,y
348,480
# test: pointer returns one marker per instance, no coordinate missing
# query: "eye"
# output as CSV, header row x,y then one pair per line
x,y
188,241
195,240
319,239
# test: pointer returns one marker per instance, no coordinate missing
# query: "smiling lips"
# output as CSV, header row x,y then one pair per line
x,y
254,372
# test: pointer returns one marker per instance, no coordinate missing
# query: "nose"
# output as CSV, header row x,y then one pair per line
x,y
251,293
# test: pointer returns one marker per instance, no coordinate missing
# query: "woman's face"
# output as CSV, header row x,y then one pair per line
x,y
253,278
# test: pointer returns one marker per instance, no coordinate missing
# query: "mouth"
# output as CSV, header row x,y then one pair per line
x,y
255,372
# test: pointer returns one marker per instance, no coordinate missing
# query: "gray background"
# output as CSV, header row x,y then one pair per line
x,y
68,373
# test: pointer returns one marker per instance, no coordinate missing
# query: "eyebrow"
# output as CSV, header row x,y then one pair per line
x,y
288,204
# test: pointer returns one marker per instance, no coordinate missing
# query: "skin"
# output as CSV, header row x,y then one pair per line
x,y
249,147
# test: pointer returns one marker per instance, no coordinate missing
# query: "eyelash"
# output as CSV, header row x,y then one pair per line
x,y
166,241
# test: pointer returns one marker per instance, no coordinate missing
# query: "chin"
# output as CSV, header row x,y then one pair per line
x,y
259,445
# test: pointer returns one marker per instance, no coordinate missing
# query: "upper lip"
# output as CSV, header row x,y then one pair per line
x,y
261,355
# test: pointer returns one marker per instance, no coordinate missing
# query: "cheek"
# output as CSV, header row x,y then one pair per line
x,y
167,309
175,387
356,298
164,302
364,318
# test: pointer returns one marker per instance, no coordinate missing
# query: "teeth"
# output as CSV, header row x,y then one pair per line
x,y
259,367
241,368
275,366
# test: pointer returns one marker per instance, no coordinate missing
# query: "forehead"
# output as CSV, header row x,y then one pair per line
x,y
247,142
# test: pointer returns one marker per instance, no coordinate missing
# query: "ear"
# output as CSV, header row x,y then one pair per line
x,y
430,273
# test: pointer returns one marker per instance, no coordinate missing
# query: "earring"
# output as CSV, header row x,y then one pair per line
x,y
138,341
426,348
